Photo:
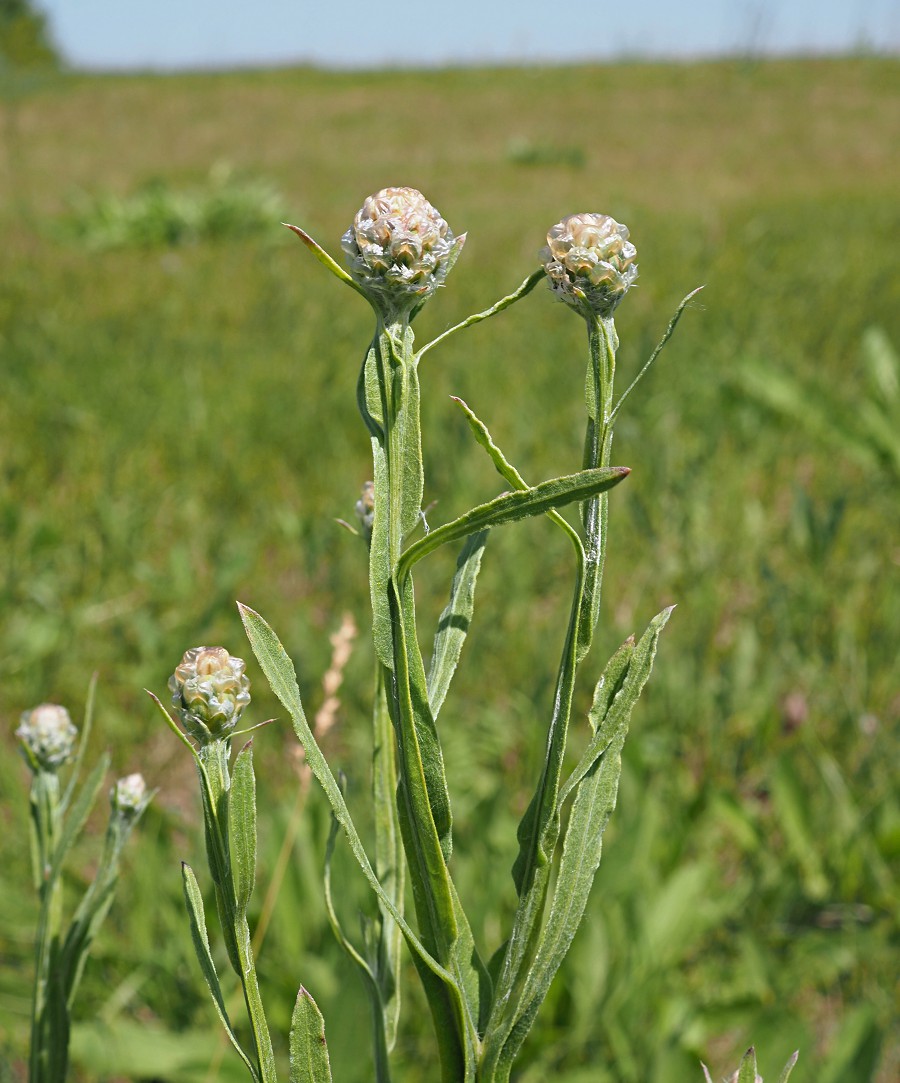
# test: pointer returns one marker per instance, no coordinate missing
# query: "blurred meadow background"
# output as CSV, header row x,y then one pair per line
x,y
179,430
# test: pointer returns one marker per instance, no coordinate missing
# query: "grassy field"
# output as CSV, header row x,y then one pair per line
x,y
179,430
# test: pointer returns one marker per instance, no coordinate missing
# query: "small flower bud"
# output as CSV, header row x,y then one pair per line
x,y
129,796
48,736
365,509
399,249
209,692
590,262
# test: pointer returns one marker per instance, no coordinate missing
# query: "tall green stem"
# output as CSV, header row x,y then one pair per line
x,y
45,827
215,786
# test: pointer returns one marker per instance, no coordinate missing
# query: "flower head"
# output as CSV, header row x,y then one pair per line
x,y
209,692
129,796
399,249
48,736
590,262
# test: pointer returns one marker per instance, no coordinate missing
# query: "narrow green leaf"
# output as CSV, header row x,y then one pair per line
x,y
173,725
56,1028
426,819
390,866
242,827
78,814
309,1051
527,286
323,258
597,779
83,739
510,507
482,434
506,470
279,671
789,1067
193,900
673,323
629,669
443,990
537,836
423,779
453,624
747,1069
406,452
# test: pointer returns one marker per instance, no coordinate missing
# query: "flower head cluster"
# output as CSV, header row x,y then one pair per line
x,y
209,692
399,249
48,736
590,262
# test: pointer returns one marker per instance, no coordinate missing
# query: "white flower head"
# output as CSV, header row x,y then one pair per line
x,y
589,262
399,249
48,735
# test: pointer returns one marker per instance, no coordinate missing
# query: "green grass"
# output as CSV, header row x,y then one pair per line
x,y
179,430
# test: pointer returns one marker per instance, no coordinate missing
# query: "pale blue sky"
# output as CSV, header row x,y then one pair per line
x,y
374,33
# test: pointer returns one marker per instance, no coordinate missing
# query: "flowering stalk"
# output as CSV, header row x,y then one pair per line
x,y
49,741
209,693
399,251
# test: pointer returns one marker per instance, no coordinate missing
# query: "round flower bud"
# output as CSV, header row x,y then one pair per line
x,y
129,795
365,509
48,736
590,262
209,692
399,249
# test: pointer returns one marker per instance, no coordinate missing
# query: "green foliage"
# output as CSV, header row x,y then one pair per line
x,y
159,215
525,152
149,476
24,37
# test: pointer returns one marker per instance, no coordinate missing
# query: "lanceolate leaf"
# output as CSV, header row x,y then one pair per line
x,y
279,671
309,1052
597,781
512,1015
390,865
607,719
194,903
511,507
747,1069
453,625
373,411
323,258
388,398
424,805
242,827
